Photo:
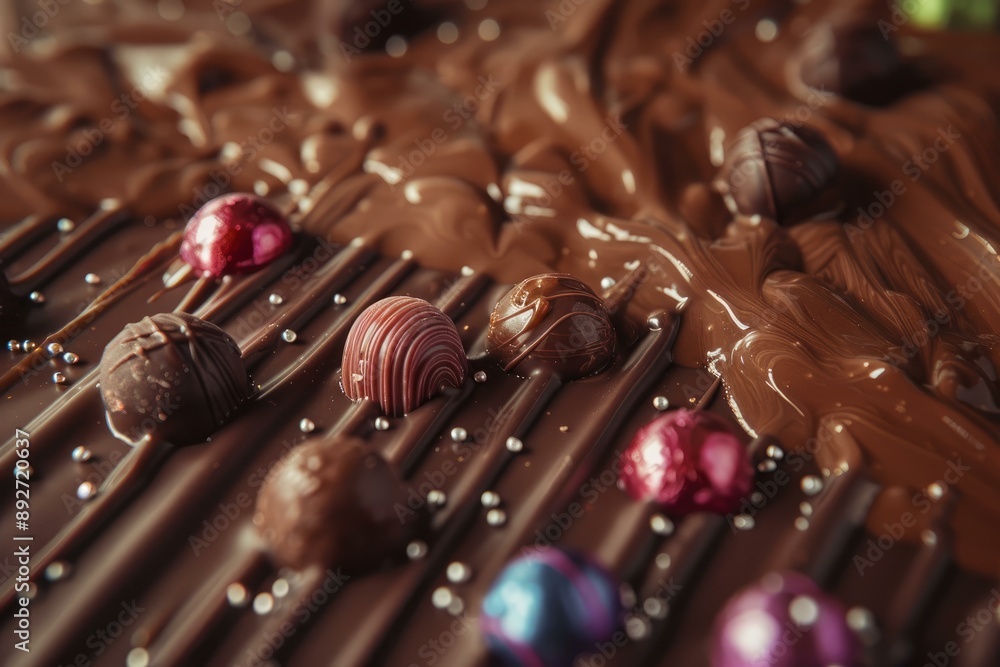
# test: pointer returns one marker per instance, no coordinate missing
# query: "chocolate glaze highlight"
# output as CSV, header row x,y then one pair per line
x,y
864,344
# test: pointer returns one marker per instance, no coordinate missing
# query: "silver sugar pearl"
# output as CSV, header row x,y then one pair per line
x,y
514,444
381,424
280,587
467,271
416,550
59,378
53,349
744,522
14,346
496,517
37,297
607,282
71,358
458,573
92,279
289,336
86,491
490,499
661,525
655,322
442,597
237,595
57,570
81,454
459,434
775,452
811,485
661,403
263,604
307,425
767,465
436,497
65,225
137,657
480,376
275,299
29,345
339,299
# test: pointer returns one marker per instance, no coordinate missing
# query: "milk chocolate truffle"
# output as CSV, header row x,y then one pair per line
x,y
852,58
171,376
777,170
552,322
234,233
400,353
332,504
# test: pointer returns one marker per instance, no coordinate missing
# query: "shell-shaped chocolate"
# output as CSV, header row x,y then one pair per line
x,y
173,377
400,353
331,503
778,170
552,322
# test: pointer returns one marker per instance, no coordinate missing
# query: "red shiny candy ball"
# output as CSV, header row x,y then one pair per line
x,y
234,233
687,461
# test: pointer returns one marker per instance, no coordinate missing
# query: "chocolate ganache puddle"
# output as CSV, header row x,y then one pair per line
x,y
854,325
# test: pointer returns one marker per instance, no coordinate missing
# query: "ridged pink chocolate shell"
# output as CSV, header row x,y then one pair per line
x,y
400,353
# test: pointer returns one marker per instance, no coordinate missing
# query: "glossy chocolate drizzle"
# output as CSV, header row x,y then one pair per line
x,y
865,344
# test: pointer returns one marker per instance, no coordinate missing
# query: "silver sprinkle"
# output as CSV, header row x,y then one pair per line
x,y
757,498
280,587
29,345
416,550
661,525
263,603
607,282
13,346
457,606
71,358
137,657
275,299
490,499
307,425
237,594
636,627
655,608
65,225
441,597
654,322
37,297
514,444
811,485
496,517
57,570
86,491
288,336
381,424
860,619
801,524
663,561
775,452
935,491
458,573
744,522
480,376
767,465
467,271
53,349
806,508
436,497
59,378
406,255
339,299
92,279
929,538
661,403
81,454
459,434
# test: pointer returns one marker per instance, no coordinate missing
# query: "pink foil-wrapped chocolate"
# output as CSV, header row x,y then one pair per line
x,y
687,461
786,620
234,233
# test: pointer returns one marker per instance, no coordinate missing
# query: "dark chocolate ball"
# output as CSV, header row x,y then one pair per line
x,y
11,308
552,322
778,170
333,504
400,353
851,58
173,377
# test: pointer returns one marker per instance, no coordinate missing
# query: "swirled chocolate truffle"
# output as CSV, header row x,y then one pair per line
x,y
173,377
332,504
852,58
11,308
552,322
401,352
778,170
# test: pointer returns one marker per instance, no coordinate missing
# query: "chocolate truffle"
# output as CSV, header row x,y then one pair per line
x,y
852,58
755,625
400,353
332,504
171,376
687,461
552,322
11,308
546,608
777,170
235,233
